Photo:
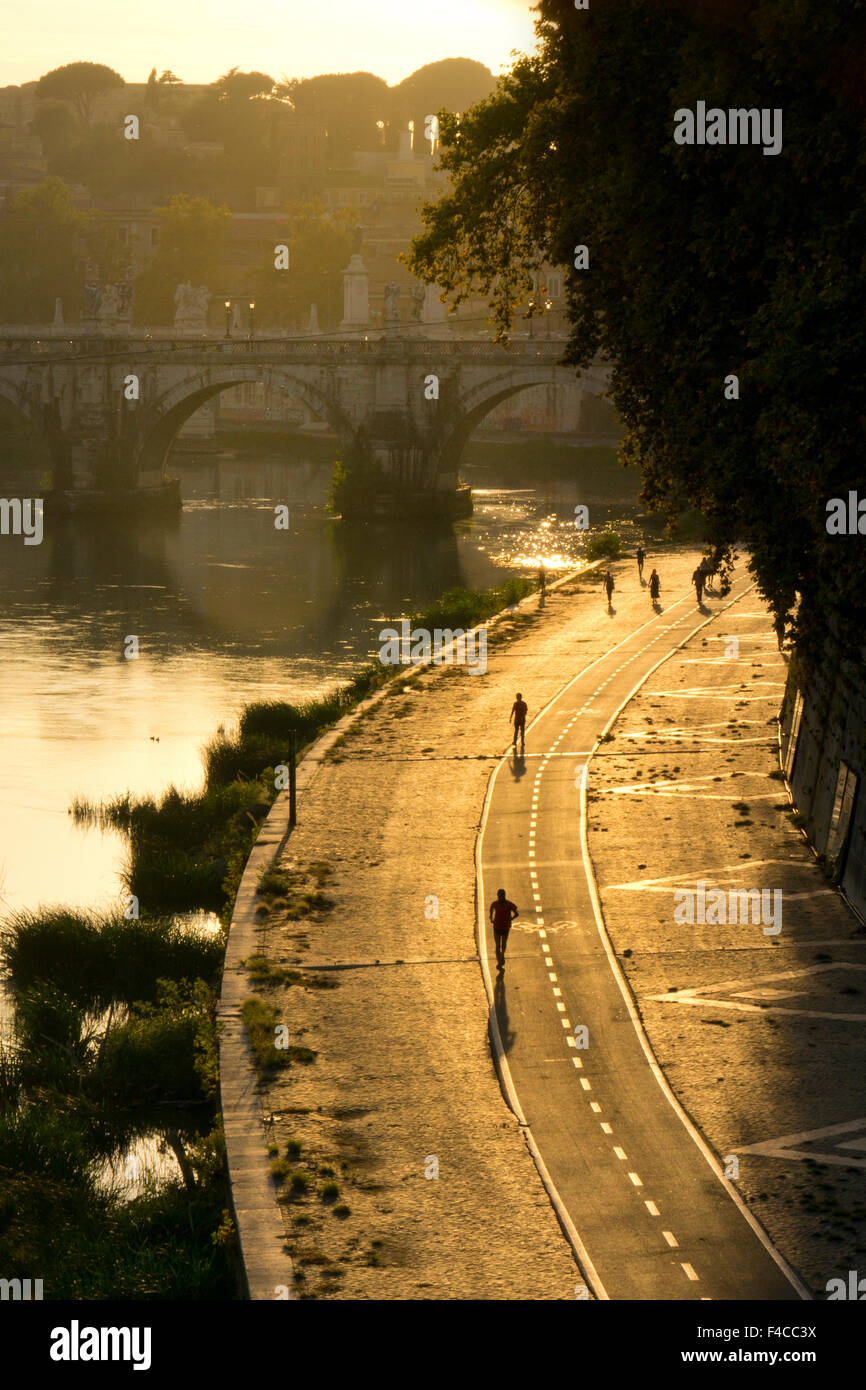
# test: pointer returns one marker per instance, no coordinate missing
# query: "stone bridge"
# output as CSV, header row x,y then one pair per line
x,y
110,408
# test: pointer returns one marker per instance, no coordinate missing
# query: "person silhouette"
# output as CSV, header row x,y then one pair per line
x,y
518,714
502,914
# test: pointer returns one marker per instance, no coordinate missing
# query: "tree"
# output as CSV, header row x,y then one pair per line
x,y
56,126
703,262
192,236
79,84
454,84
319,251
238,87
40,254
348,104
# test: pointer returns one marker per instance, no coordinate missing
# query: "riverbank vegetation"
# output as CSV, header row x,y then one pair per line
x,y
114,1060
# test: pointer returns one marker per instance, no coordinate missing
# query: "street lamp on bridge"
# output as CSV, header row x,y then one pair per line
x,y
252,318
228,305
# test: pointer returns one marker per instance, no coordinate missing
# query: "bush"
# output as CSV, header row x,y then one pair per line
x,y
604,545
96,959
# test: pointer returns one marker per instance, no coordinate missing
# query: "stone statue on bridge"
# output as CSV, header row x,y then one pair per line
x,y
91,301
124,301
192,306
392,298
109,303
419,295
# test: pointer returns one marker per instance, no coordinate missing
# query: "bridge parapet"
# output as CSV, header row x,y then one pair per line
x,y
280,349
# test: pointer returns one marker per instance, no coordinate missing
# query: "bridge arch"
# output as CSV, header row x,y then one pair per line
x,y
472,407
164,417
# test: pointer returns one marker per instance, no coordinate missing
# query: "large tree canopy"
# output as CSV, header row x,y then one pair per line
x,y
192,237
79,84
704,261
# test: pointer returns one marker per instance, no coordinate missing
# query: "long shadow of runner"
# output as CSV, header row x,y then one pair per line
x,y
500,1004
517,765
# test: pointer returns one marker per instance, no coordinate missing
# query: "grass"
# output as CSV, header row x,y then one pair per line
x,y
261,1024
466,608
263,975
96,958
186,851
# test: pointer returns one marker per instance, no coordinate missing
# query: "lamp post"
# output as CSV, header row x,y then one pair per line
x,y
531,318
252,318
548,304
228,305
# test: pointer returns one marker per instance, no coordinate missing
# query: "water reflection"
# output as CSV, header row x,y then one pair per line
x,y
226,609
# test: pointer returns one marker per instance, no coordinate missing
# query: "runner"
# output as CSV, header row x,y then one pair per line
x,y
518,714
641,556
698,581
502,914
608,584
542,580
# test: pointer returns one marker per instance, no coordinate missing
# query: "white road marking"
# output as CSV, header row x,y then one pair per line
x,y
606,1128
585,1084
635,1179
652,1208
620,1153
670,1238
691,1273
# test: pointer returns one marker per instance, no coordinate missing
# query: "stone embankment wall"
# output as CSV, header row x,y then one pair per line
x,y
823,746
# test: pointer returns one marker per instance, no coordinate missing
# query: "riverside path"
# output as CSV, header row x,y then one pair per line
x,y
648,1209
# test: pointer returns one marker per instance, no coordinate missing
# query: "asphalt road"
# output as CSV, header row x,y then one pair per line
x,y
641,1196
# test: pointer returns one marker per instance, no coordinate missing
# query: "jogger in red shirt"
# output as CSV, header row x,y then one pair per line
x,y
502,914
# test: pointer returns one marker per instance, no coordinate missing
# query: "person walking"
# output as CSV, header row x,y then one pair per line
x,y
655,586
609,585
502,914
518,716
542,581
641,556
698,581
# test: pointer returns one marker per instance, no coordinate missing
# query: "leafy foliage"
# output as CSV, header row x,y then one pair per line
x,y
80,84
192,235
704,261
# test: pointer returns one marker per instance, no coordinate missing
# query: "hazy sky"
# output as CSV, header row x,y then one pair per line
x,y
199,39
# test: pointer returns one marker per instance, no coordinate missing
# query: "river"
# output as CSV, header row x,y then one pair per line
x,y
227,609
